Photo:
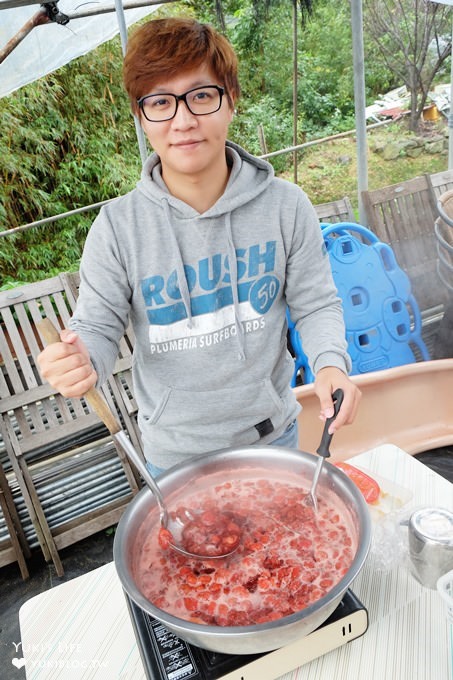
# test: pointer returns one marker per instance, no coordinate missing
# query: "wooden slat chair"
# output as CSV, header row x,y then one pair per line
x,y
439,183
121,382
336,211
443,229
403,216
13,543
51,440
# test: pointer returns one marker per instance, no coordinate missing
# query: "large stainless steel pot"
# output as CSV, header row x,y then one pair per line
x,y
232,463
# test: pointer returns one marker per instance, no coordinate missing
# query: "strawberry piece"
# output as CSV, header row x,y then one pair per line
x,y
211,533
165,538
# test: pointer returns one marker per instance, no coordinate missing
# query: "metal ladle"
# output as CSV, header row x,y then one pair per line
x,y
323,449
103,411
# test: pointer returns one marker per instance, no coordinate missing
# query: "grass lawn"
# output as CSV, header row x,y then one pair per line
x,y
328,171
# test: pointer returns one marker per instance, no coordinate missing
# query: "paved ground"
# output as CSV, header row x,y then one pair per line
x,y
85,556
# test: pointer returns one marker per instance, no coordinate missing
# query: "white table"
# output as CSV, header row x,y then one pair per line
x,y
81,630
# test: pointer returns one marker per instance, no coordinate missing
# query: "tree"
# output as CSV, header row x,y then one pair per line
x,y
259,11
414,39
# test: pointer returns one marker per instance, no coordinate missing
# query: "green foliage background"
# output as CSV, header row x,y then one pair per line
x,y
68,140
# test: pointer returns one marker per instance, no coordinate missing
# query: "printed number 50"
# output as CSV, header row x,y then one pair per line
x,y
263,293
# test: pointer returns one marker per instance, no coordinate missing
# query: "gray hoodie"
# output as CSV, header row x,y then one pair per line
x,y
207,296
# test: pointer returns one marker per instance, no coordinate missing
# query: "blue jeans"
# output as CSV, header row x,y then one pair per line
x,y
289,438
153,469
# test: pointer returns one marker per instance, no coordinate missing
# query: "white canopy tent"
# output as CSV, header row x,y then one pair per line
x,y
36,39
45,44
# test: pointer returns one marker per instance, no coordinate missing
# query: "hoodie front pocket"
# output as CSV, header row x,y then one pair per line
x,y
237,408
161,404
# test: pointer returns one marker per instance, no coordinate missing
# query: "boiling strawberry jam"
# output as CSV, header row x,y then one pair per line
x,y
288,557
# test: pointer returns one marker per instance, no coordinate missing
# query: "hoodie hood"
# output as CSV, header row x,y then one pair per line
x,y
249,177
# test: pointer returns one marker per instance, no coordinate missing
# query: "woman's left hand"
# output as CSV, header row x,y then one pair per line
x,y
328,380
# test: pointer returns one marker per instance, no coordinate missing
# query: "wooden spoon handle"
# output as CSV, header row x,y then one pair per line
x,y
93,396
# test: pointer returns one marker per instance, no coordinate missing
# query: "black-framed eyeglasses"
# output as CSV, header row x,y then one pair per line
x,y
201,101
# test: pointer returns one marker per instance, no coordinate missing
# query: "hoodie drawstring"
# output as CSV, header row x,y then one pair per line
x,y
181,274
182,279
234,286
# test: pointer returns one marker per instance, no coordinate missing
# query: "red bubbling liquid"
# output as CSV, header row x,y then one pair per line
x,y
288,557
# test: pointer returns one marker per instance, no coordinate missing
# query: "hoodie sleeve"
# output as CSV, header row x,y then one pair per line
x,y
102,312
311,294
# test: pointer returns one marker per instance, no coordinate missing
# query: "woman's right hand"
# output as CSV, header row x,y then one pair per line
x,y
66,365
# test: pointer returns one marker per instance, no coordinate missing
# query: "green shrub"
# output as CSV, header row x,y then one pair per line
x,y
277,129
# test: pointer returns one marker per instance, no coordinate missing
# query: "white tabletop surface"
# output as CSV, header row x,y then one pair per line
x,y
81,630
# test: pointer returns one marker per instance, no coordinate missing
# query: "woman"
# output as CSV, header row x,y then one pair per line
x,y
204,256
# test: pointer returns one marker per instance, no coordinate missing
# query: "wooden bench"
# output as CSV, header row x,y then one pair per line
x,y
439,183
57,451
336,211
13,542
403,215
121,378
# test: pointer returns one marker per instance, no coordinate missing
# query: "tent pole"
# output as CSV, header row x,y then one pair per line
x,y
123,35
360,103
450,112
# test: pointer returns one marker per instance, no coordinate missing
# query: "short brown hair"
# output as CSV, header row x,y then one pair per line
x,y
163,48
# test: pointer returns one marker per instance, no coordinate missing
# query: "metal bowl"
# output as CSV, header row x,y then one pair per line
x,y
233,463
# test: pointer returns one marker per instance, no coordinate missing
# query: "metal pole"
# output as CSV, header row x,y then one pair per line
x,y
360,103
123,35
450,113
38,19
295,107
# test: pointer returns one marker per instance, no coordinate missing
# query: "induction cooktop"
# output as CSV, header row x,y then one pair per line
x,y
167,657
